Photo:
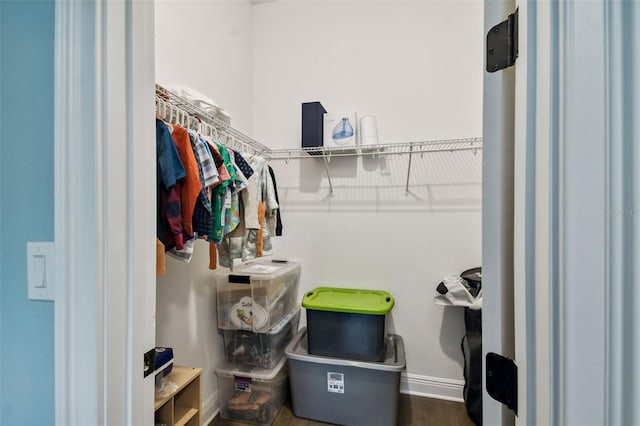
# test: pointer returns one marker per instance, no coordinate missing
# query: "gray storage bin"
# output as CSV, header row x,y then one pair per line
x,y
342,391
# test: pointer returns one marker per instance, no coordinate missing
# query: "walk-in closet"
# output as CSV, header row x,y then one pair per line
x,y
399,215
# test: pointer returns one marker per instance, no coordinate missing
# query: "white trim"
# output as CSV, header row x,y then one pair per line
x,y
523,198
622,212
541,278
104,211
210,408
582,183
533,228
432,387
77,388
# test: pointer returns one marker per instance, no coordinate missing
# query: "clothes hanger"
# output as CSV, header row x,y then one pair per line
x,y
186,119
168,112
173,113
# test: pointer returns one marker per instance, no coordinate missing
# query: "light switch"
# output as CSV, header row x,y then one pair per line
x,y
40,271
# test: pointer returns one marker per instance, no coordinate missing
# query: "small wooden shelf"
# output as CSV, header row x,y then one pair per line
x,y
182,407
184,414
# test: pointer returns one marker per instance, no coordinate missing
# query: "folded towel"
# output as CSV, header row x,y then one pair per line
x,y
194,96
202,101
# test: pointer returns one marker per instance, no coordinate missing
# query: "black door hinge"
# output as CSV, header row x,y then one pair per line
x,y
502,380
502,44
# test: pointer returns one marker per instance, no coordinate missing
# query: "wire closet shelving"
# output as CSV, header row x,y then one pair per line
x,y
169,104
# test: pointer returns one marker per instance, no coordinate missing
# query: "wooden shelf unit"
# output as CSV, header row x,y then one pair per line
x,y
182,407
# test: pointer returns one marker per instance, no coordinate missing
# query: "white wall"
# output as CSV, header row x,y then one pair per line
x,y
205,45
417,66
409,63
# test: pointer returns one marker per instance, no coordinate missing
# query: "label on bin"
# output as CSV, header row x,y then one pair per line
x,y
335,382
243,384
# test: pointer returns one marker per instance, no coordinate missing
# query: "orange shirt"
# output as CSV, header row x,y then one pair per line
x,y
191,186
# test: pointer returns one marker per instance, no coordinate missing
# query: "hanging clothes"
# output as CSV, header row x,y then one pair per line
x,y
202,215
278,225
206,189
169,172
191,187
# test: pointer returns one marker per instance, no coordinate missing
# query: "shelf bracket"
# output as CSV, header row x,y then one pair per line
x,y
326,166
406,187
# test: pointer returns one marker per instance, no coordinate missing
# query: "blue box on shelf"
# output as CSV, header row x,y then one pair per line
x,y
312,125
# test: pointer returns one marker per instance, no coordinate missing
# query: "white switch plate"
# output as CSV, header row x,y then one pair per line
x,y
41,271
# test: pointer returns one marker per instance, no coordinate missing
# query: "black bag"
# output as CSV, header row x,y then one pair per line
x,y
472,351
471,346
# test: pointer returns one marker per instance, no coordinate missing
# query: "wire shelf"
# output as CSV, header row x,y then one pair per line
x,y
174,100
186,110
382,149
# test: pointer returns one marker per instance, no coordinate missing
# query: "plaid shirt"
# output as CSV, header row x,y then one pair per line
x,y
209,172
202,210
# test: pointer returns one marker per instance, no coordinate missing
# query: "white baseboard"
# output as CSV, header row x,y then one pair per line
x,y
210,408
432,387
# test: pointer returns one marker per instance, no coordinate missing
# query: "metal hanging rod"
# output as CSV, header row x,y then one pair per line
x,y
468,144
173,100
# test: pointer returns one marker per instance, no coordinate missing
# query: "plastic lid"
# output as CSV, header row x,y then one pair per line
x,y
353,301
277,328
260,269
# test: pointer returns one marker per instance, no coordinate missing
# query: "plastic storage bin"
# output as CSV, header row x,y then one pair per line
x,y
257,295
261,349
339,391
252,394
347,323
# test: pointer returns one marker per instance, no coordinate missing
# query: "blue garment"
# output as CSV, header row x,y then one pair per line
x,y
243,165
169,169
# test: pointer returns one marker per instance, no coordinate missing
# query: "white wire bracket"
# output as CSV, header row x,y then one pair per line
x,y
406,186
326,167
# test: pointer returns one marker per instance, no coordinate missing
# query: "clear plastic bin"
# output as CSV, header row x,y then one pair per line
x,y
257,294
261,349
252,394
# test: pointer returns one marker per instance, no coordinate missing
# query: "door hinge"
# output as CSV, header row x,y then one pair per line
x,y
502,380
502,44
149,362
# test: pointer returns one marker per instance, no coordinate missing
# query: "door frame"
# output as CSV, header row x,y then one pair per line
x,y
576,236
105,300
104,211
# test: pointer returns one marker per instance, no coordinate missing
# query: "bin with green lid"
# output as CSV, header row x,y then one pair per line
x,y
347,323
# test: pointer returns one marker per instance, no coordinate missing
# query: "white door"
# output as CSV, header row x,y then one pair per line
x,y
572,173
520,210
104,212
516,226
497,214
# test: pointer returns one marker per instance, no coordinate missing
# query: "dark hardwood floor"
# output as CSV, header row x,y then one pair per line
x,y
413,411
